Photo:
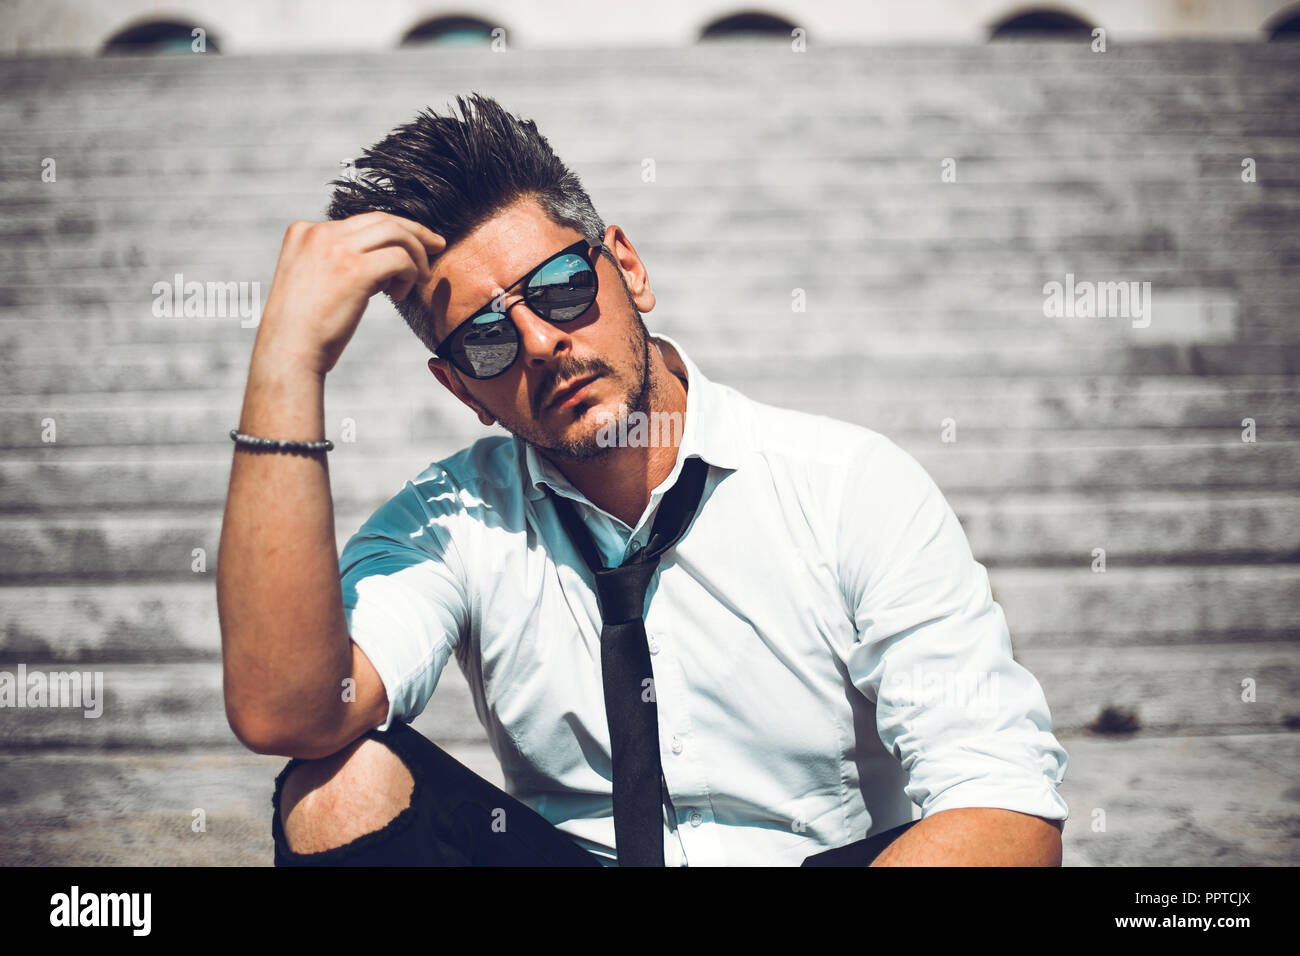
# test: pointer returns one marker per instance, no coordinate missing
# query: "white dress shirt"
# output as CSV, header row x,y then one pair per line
x,y
826,649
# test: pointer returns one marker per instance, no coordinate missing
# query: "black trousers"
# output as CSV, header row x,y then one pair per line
x,y
456,818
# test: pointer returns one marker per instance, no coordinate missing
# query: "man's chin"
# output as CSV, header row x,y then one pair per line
x,y
586,448
581,441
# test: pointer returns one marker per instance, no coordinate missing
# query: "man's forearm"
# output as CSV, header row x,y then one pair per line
x,y
977,836
284,637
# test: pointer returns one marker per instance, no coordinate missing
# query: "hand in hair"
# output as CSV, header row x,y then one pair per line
x,y
326,274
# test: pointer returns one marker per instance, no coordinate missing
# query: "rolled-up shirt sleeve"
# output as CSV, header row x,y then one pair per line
x,y
404,593
969,724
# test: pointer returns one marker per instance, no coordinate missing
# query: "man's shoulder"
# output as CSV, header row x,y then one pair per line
x,y
483,475
488,467
775,431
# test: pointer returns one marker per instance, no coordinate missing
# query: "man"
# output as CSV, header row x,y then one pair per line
x,y
810,651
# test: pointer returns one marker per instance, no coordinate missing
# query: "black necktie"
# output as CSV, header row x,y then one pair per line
x,y
630,705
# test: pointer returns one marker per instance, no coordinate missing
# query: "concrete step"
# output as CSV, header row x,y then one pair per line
x,y
1156,69
43,330
1181,801
1153,606
409,406
70,478
1052,529
1167,801
1145,226
134,807
179,706
1046,608
1110,104
1171,689
967,241
210,160
765,356
990,255
893,110
691,153
1134,528
1141,219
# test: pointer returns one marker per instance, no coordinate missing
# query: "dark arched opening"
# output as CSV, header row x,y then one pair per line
x,y
748,25
449,31
159,37
1285,25
1042,24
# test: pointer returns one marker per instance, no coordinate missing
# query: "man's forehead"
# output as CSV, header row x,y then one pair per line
x,y
470,272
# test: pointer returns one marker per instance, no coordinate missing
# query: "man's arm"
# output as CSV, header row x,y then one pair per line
x,y
967,722
976,836
286,649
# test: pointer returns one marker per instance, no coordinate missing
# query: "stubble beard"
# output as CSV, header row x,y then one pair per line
x,y
589,446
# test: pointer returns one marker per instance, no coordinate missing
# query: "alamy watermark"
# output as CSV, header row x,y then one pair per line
x,y
639,429
75,908
1098,300
967,691
53,689
208,300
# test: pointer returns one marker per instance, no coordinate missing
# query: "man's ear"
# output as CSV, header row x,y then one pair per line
x,y
632,271
445,374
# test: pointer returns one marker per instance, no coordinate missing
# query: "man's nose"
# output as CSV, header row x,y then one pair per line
x,y
539,341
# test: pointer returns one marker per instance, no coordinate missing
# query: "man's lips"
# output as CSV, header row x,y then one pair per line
x,y
570,392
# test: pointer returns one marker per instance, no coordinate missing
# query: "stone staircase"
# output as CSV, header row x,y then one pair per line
x,y
773,172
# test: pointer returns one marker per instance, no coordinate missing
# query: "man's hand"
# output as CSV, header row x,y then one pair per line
x,y
977,836
327,273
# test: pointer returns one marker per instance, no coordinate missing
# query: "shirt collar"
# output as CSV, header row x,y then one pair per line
x,y
708,432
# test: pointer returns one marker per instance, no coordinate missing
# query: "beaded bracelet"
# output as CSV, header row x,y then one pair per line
x,y
279,444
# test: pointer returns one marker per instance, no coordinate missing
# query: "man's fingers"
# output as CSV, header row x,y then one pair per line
x,y
361,220
431,241
390,235
397,273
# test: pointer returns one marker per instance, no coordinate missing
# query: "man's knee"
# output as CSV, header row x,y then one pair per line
x,y
328,802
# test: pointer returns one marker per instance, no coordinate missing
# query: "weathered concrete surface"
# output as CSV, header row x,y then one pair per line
x,y
137,809
1185,801
819,172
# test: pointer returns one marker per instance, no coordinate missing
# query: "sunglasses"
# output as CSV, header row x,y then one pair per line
x,y
559,290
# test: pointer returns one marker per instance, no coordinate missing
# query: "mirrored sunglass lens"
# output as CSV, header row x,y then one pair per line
x,y
488,345
562,289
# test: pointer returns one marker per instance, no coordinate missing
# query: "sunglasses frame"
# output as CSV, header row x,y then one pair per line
x,y
581,247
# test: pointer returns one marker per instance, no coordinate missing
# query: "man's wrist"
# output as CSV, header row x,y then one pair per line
x,y
285,396
277,358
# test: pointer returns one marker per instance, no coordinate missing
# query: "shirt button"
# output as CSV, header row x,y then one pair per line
x,y
677,745
654,645
696,818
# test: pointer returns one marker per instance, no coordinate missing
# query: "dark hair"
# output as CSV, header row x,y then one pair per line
x,y
454,174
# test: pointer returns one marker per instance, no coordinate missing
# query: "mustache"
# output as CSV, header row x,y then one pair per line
x,y
546,388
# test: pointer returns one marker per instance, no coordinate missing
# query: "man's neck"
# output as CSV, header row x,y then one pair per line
x,y
620,481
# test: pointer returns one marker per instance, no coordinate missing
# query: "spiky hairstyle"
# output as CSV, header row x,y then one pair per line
x,y
452,174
